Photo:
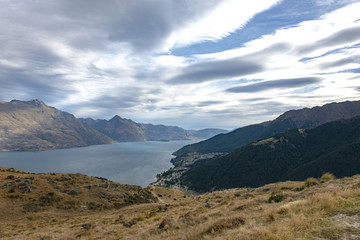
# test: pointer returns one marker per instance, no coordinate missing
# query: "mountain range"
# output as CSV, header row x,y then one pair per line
x,y
126,130
303,118
34,126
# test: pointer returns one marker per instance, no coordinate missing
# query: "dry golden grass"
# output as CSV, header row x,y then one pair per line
x,y
328,210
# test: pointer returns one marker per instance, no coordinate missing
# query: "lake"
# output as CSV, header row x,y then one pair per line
x,y
135,163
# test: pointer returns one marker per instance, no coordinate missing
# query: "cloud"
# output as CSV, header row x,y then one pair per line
x,y
344,36
144,26
89,47
121,100
341,62
101,58
214,70
208,69
226,17
127,100
127,97
208,103
332,2
269,51
50,88
275,84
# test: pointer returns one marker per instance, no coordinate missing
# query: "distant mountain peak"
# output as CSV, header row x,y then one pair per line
x,y
116,117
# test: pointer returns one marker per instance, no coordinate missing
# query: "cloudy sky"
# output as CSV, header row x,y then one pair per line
x,y
190,63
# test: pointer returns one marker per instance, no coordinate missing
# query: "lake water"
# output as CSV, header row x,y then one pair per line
x,y
134,163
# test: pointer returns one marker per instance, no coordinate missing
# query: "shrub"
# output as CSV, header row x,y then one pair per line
x,y
310,182
327,177
86,226
129,224
224,224
270,217
139,219
276,198
283,211
237,194
11,177
166,222
299,189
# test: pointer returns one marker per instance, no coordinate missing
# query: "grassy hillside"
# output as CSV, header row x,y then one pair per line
x,y
293,155
55,191
314,209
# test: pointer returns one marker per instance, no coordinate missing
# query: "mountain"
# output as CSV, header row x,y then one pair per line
x,y
126,130
293,155
74,206
34,126
118,129
303,118
207,132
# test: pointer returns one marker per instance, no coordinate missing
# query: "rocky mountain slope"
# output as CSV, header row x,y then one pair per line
x,y
74,206
292,155
303,118
126,130
34,126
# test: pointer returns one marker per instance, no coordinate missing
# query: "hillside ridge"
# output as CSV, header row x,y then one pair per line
x,y
302,118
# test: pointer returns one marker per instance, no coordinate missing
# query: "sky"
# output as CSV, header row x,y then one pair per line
x,y
190,63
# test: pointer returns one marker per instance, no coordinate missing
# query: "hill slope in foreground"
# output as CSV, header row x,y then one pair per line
x,y
74,206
